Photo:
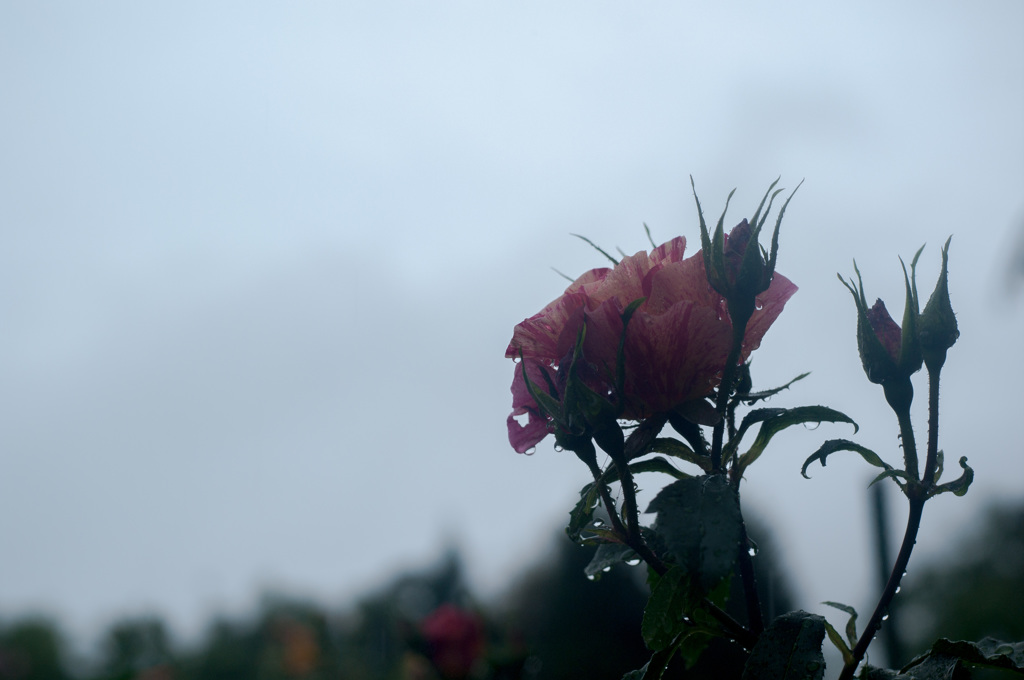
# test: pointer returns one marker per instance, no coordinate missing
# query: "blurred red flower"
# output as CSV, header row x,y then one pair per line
x,y
455,638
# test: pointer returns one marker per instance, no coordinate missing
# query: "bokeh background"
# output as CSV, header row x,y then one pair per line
x,y
259,263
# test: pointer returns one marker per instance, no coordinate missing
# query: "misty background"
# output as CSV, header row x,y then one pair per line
x,y
259,264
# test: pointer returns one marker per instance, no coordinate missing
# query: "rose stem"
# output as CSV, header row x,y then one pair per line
x,y
917,492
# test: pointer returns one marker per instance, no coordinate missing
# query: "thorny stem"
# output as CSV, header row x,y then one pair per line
x,y
724,392
913,524
917,492
931,462
909,442
755,619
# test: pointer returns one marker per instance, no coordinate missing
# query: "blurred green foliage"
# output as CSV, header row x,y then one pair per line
x,y
552,623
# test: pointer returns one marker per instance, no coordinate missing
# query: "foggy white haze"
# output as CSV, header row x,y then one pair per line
x,y
259,264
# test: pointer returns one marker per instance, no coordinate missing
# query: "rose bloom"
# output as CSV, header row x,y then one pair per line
x,y
676,344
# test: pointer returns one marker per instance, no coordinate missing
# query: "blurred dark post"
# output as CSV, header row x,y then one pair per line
x,y
890,632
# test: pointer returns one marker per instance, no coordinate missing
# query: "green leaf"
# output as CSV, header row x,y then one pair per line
x,y
851,624
987,652
606,557
655,668
657,464
834,445
674,447
788,418
700,524
894,475
958,486
758,415
790,649
583,513
838,642
752,398
664,615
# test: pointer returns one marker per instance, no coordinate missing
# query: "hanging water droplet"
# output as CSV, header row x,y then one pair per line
x,y
899,588
633,562
530,451
885,617
606,569
591,577
812,426
516,359
752,551
559,448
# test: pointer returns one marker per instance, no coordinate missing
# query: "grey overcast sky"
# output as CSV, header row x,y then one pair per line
x,y
259,263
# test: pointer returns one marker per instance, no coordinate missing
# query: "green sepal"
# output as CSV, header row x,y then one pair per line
x,y
620,357
775,235
958,486
787,418
789,649
596,247
937,328
834,445
758,220
752,398
878,365
910,358
580,401
677,449
699,522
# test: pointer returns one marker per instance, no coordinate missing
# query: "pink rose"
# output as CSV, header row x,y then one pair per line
x,y
676,343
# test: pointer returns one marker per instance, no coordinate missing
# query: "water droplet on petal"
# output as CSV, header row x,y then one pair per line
x,y
517,359
598,522
530,451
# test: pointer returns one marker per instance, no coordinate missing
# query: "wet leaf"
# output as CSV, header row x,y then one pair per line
x,y
790,417
700,524
789,649
677,449
583,513
664,615
607,556
835,445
